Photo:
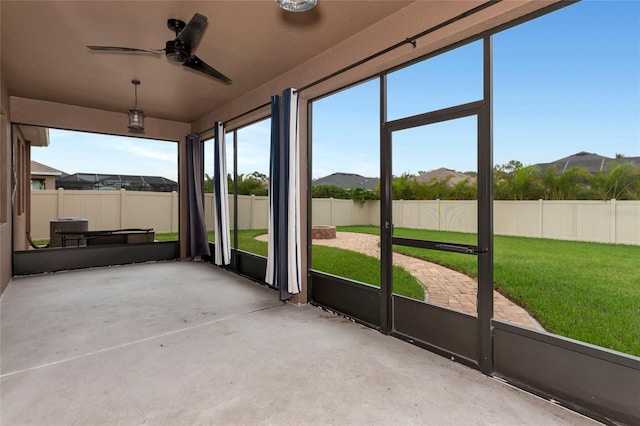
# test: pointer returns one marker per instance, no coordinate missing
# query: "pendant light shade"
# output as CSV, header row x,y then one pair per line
x,y
136,115
297,5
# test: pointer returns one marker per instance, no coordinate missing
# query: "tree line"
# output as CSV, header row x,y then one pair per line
x,y
512,181
255,183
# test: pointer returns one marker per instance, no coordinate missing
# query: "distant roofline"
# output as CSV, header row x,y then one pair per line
x,y
116,174
38,173
45,170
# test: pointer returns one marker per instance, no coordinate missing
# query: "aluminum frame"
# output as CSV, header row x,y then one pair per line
x,y
453,337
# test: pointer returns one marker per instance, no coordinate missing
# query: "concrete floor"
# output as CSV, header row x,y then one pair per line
x,y
183,343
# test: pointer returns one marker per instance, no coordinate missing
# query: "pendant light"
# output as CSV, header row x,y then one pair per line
x,y
136,115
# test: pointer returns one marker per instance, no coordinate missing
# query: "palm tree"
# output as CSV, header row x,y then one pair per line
x,y
402,187
517,183
563,186
208,183
464,190
621,182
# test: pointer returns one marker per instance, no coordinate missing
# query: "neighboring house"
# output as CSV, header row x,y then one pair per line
x,y
347,181
591,162
43,176
93,181
443,173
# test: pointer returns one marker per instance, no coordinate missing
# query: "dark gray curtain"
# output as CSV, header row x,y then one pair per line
x,y
197,240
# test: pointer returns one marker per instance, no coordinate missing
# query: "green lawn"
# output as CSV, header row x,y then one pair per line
x,y
340,262
586,291
363,268
335,261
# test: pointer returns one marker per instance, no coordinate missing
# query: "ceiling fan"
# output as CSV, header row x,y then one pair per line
x,y
180,49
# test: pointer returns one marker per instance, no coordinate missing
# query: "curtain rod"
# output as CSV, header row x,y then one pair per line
x,y
409,40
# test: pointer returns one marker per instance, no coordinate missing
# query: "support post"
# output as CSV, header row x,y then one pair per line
x,y
386,216
485,217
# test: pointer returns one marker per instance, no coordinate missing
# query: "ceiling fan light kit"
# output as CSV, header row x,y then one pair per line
x,y
297,5
136,115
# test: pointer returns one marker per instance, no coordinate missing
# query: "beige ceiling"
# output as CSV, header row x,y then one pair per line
x,y
44,55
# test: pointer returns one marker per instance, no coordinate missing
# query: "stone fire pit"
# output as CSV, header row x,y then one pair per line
x,y
323,232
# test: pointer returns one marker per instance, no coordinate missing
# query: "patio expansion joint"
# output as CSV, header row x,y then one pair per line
x,y
135,342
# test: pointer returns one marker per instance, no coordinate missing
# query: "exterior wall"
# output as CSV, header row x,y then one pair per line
x,y
21,194
49,181
71,117
5,190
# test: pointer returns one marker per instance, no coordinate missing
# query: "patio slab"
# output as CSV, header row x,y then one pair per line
x,y
187,343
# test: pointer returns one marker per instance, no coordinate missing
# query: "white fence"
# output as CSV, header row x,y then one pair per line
x,y
598,221
104,209
252,211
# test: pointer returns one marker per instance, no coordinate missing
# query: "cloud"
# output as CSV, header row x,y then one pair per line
x,y
96,153
156,152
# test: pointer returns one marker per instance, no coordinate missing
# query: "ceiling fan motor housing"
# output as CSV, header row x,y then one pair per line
x,y
176,51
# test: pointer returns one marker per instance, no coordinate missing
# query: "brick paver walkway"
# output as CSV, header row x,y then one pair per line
x,y
444,287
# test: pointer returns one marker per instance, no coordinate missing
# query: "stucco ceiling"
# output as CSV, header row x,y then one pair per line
x,y
44,54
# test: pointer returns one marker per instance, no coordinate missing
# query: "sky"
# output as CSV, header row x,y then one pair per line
x,y
563,83
79,152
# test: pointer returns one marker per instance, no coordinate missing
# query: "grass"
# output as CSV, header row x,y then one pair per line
x,y
585,291
167,236
335,261
363,268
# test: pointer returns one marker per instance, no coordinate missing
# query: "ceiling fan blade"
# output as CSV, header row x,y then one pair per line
x,y
124,49
192,33
197,64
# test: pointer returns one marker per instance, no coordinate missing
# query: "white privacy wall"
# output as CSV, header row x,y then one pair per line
x,y
609,221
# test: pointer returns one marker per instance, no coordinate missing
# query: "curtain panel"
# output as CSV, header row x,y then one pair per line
x,y
284,252
222,251
197,240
